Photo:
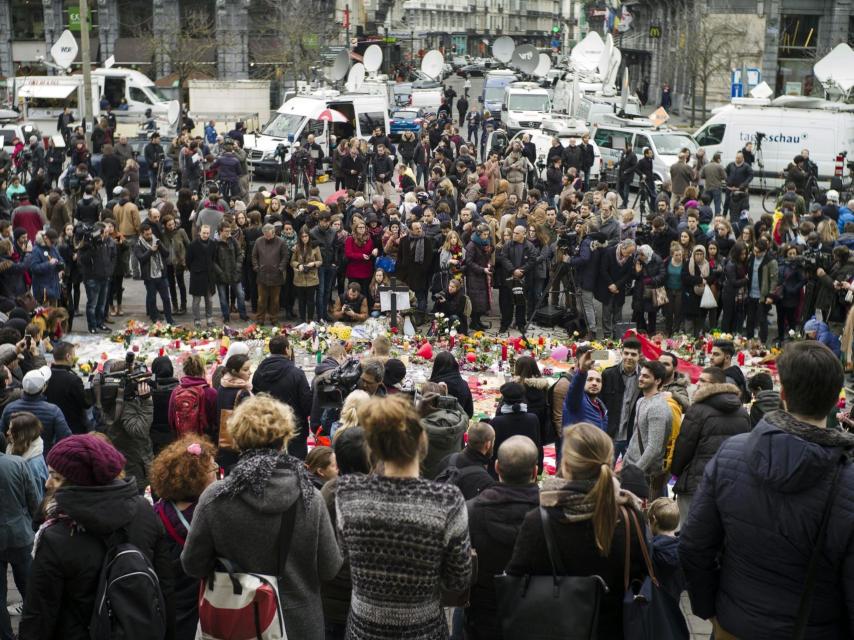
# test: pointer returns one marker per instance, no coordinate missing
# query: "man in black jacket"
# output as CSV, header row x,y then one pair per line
x,y
517,257
384,172
644,169
323,235
281,378
153,257
620,394
716,415
65,389
616,269
495,517
739,174
353,168
153,153
88,208
416,255
467,469
587,158
626,173
96,254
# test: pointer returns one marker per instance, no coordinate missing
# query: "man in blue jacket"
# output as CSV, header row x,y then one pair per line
x,y
582,403
755,519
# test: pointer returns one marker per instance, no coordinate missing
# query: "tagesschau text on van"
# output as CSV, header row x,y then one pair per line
x,y
301,116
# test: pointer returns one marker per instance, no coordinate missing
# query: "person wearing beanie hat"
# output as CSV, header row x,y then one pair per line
x,y
395,372
161,433
513,419
54,425
90,502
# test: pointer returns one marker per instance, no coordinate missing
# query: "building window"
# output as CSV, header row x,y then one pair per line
x,y
27,20
135,18
798,36
196,13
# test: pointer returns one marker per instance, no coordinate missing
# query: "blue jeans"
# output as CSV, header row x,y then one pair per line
x,y
716,198
152,180
222,293
20,559
327,277
154,286
96,301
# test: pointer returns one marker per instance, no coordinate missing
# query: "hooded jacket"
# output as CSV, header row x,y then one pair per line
x,y
54,426
716,415
130,435
245,529
753,525
445,427
765,401
68,557
447,370
495,517
282,379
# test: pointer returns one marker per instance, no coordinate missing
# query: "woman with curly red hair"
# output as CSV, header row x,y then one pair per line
x,y
179,474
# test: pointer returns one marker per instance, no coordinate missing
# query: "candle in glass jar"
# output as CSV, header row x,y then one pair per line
x,y
504,351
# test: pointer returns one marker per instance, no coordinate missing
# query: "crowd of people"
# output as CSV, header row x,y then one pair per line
x,y
395,512
383,511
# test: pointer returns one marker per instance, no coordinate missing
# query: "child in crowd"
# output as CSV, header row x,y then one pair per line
x,y
663,515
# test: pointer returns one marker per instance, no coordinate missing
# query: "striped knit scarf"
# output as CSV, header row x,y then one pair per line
x,y
571,497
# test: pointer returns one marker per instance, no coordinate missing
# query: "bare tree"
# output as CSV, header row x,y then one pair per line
x,y
296,32
715,43
186,48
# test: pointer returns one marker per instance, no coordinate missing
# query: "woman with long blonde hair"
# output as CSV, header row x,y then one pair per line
x,y
586,511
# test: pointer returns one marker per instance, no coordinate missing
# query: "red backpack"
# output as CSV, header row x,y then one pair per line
x,y
190,416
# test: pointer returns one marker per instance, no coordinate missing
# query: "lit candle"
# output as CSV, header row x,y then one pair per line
x,y
451,340
542,341
504,351
741,358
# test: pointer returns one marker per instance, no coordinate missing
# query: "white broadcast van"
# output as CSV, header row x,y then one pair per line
x,y
779,130
524,106
43,98
300,116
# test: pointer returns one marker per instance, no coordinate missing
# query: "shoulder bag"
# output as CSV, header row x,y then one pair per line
x,y
555,607
659,296
648,612
234,604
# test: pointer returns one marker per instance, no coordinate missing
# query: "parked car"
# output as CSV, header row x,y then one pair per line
x,y
405,120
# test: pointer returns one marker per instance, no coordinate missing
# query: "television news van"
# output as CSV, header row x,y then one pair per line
x,y
779,129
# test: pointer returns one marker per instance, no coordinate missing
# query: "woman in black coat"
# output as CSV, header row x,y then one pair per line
x,y
733,293
791,281
479,253
89,503
513,418
536,395
200,264
649,274
447,370
574,507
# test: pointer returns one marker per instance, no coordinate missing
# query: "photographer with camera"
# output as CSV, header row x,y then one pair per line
x,y
130,428
153,258
352,307
302,168
830,296
644,169
97,255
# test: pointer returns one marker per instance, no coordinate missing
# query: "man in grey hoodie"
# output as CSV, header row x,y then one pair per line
x,y
653,421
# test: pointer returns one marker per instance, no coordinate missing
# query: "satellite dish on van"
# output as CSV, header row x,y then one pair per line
x,y
525,58
356,77
544,65
605,57
586,54
502,49
64,50
173,112
761,91
432,63
836,69
372,58
341,65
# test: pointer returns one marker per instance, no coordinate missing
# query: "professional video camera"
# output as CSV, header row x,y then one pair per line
x,y
84,232
643,234
567,241
759,138
281,152
813,259
336,386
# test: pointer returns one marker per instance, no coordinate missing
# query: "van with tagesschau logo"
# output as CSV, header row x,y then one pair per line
x,y
779,129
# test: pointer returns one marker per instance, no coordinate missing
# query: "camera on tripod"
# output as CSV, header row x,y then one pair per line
x,y
759,138
567,241
812,260
281,152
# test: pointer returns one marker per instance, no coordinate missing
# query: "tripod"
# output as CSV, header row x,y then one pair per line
x,y
563,269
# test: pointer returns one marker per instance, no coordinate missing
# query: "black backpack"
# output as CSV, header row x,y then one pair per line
x,y
129,604
452,474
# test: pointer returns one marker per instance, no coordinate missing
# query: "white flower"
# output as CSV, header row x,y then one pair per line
x,y
791,333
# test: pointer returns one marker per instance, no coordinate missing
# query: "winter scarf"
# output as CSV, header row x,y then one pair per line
x,y
419,250
692,264
230,381
620,259
254,470
481,242
156,264
36,448
571,497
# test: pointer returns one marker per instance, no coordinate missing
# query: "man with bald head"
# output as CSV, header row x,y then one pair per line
x,y
467,469
495,517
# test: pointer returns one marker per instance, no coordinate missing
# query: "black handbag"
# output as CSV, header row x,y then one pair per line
x,y
649,613
555,607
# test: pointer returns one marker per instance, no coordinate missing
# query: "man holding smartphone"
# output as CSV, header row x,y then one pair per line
x,y
582,402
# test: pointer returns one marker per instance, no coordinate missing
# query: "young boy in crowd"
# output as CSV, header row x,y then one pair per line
x,y
663,516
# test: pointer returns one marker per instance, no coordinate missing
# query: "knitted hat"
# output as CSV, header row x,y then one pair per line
x,y
512,393
811,325
395,371
633,479
162,368
36,380
86,460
